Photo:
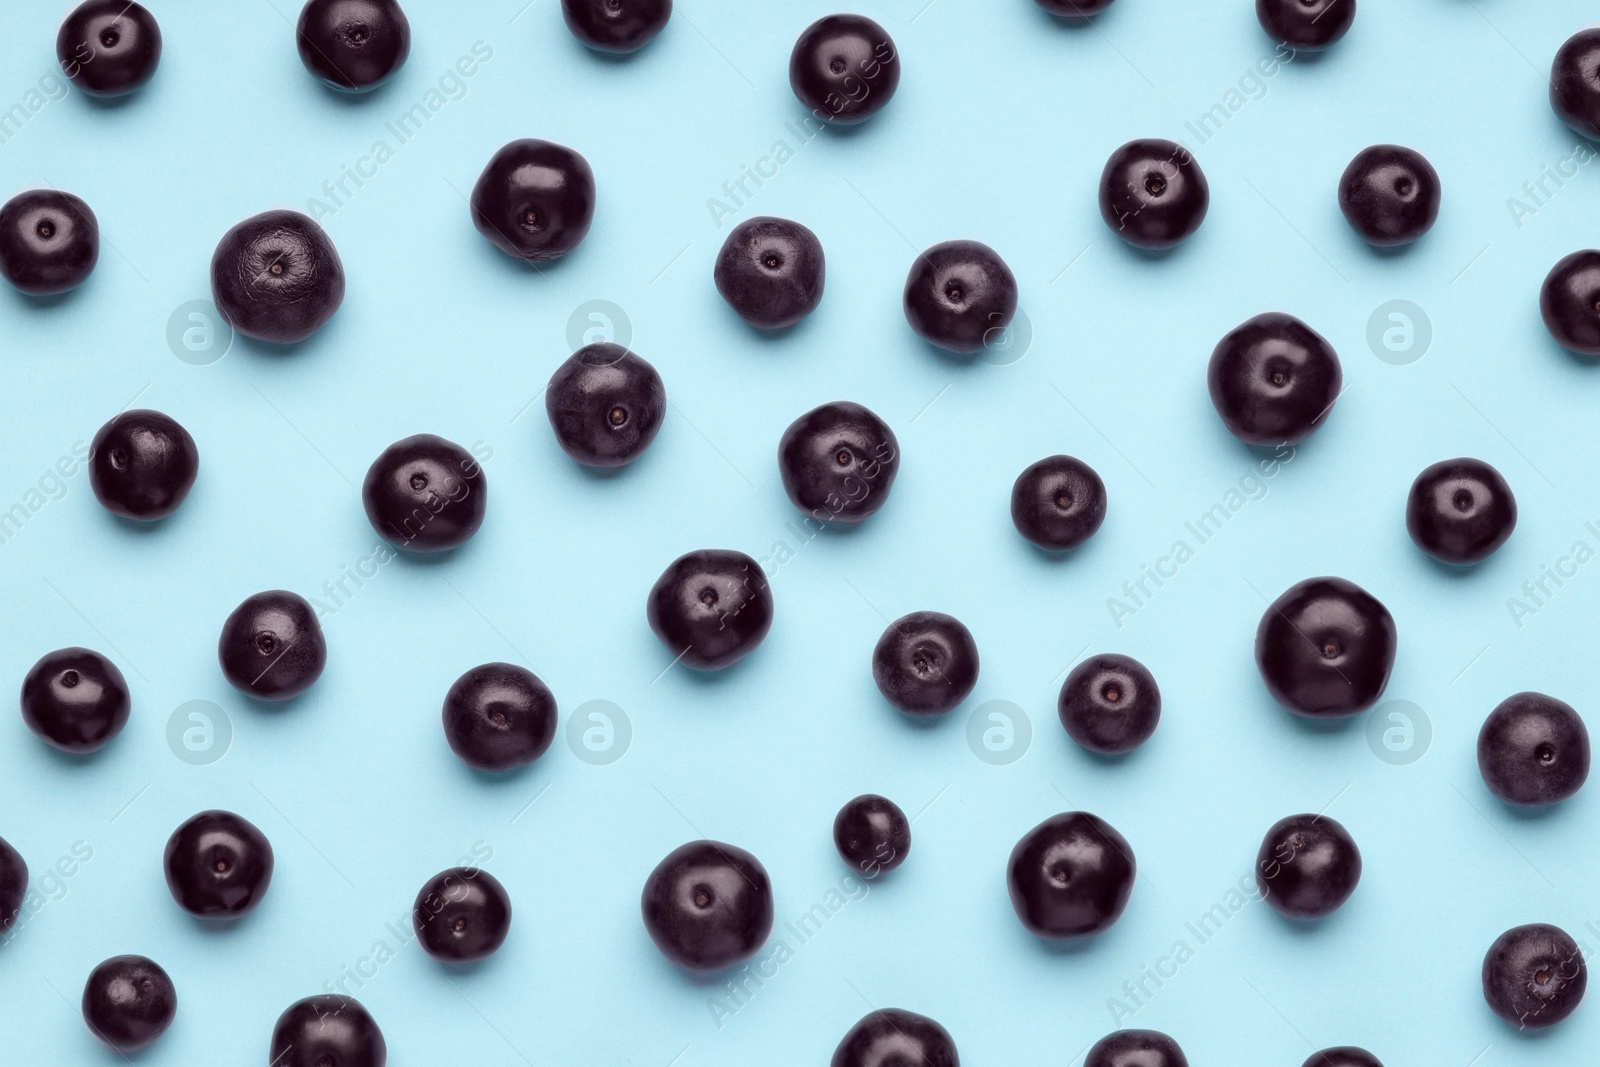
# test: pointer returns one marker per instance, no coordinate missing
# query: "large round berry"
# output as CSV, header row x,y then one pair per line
x,y
49,241
1070,876
1109,704
142,465
1569,302
1307,867
616,26
1343,1056
960,296
1273,379
838,462
75,700
606,405
1390,195
894,1037
1534,976
1533,750
1153,193
353,45
462,915
1306,25
13,885
872,835
425,494
711,608
708,905
1074,9
1460,511
218,865
534,200
844,68
1325,648
109,47
1136,1048
1058,503
499,716
128,1002
329,1030
771,271
926,663
272,646
1575,82
277,277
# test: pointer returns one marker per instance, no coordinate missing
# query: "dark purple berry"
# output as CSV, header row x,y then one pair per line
x,y
708,905
1070,876
75,700
1307,867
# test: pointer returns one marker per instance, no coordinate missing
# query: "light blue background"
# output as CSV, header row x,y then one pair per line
x,y
1002,123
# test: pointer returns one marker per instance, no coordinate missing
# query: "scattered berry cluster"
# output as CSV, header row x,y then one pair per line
x,y
1325,647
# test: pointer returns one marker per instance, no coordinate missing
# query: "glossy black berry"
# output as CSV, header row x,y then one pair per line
x,y
1534,976
1575,82
353,45
961,296
1533,750
109,47
1058,503
606,405
771,271
926,663
13,885
1325,648
1569,302
1273,379
838,462
142,465
1460,511
499,716
616,26
272,646
1343,1056
1136,1048
425,494
872,835
49,241
844,68
218,865
1306,25
1074,9
277,277
327,1031
708,905
1153,193
462,915
535,200
894,1037
1307,867
75,700
128,1002
1390,195
711,608
1070,876
1110,704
